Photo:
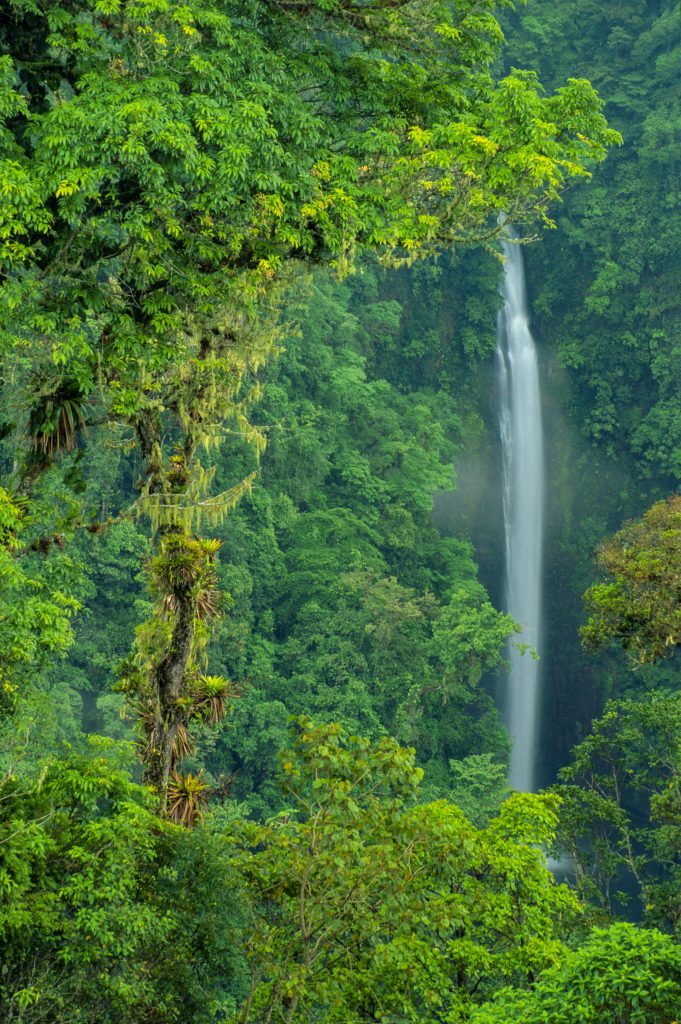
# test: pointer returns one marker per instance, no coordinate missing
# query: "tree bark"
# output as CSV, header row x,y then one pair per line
x,y
168,678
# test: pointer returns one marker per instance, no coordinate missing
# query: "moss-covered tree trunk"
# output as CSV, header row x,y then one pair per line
x,y
168,680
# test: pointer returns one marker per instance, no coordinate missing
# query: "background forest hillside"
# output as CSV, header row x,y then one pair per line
x,y
252,645
605,303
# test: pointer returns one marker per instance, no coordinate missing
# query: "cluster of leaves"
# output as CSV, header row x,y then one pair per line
x,y
621,815
107,914
357,900
162,163
367,904
622,974
35,611
641,604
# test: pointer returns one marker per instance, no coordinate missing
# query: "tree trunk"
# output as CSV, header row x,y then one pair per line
x,y
168,679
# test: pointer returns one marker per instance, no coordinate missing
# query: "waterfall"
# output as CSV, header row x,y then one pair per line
x,y
522,447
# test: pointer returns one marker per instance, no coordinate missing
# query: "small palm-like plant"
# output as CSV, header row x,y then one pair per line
x,y
56,414
185,561
210,699
183,744
187,798
145,713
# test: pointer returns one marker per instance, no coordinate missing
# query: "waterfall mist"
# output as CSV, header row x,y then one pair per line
x,y
520,424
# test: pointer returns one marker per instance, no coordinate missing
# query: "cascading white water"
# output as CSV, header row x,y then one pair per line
x,y
523,508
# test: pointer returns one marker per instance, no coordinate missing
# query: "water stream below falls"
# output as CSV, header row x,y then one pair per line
x,y
522,444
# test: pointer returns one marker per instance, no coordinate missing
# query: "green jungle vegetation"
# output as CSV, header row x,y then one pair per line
x,y
251,768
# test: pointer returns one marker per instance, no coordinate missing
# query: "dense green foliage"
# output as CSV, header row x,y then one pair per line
x,y
217,469
345,602
639,605
348,605
621,816
162,163
34,611
163,167
624,974
605,284
105,913
367,905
